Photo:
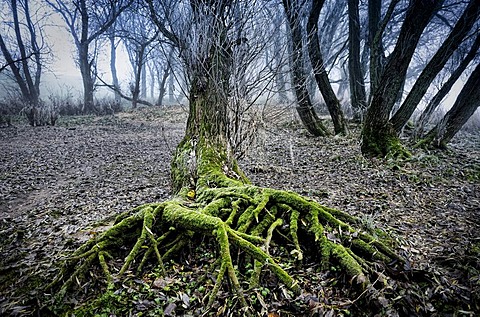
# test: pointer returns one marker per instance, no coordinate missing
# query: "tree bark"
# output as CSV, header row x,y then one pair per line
x,y
436,64
162,83
26,77
464,107
375,43
140,55
379,138
321,76
113,64
446,87
376,26
87,78
358,97
305,107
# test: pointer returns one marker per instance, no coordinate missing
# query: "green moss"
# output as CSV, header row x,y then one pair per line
x,y
348,263
294,215
382,141
367,249
225,207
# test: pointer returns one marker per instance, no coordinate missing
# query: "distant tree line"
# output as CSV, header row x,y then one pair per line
x,y
386,65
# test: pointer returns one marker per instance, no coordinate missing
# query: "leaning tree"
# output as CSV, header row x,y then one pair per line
x,y
213,199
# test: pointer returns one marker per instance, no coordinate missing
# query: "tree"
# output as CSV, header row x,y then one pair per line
x,y
138,35
321,76
379,137
436,64
161,68
113,60
305,107
464,107
24,57
213,199
446,87
358,96
376,28
87,21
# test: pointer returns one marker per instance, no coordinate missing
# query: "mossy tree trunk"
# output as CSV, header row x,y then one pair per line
x,y
379,137
213,198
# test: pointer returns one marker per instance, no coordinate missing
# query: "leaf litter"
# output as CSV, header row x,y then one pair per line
x,y
59,184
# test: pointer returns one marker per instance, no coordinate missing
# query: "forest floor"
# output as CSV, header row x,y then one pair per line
x,y
57,183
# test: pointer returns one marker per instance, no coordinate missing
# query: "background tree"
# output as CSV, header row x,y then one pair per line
x,y
86,21
24,55
465,105
114,41
305,108
138,35
358,96
463,26
321,76
446,87
161,70
379,137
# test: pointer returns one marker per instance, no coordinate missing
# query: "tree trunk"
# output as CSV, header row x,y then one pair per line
x,y
139,69
113,64
375,42
446,87
464,107
162,83
376,27
358,97
87,80
143,84
305,107
321,76
436,64
29,84
278,57
379,138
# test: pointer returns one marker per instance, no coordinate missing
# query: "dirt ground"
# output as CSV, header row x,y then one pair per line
x,y
57,182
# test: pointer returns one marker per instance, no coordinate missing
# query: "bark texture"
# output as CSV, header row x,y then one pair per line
x,y
436,64
464,107
358,96
305,108
321,76
379,136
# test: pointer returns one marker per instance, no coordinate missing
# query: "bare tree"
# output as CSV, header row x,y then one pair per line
x,y
138,34
112,38
446,87
463,26
86,21
23,54
305,107
358,96
214,201
321,76
464,107
379,138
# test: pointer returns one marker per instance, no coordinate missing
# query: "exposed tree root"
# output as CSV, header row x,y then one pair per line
x,y
247,217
